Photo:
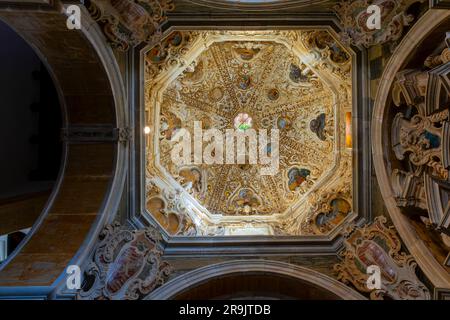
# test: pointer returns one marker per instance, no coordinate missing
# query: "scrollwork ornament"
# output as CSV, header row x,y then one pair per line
x,y
354,17
127,23
379,245
126,265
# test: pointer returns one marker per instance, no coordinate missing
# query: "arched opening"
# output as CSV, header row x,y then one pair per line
x,y
257,286
250,279
30,122
91,94
415,199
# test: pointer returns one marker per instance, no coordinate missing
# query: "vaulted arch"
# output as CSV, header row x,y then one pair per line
x,y
92,96
245,278
402,190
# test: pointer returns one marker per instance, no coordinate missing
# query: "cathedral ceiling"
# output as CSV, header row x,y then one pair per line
x,y
296,82
271,85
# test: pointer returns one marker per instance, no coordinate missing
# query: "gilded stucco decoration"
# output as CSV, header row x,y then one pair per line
x,y
126,265
127,23
354,16
328,210
168,209
298,82
379,245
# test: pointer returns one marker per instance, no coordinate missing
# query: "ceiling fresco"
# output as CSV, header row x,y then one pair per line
x,y
298,83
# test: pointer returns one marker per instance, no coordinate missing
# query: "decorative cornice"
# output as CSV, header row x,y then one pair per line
x,y
261,6
440,4
97,133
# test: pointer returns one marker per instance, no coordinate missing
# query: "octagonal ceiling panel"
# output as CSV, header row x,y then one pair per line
x,y
296,82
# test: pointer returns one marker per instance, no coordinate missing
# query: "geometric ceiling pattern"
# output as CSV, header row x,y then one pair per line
x,y
271,85
298,83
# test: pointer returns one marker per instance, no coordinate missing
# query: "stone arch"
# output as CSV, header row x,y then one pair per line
x,y
307,279
92,96
408,47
